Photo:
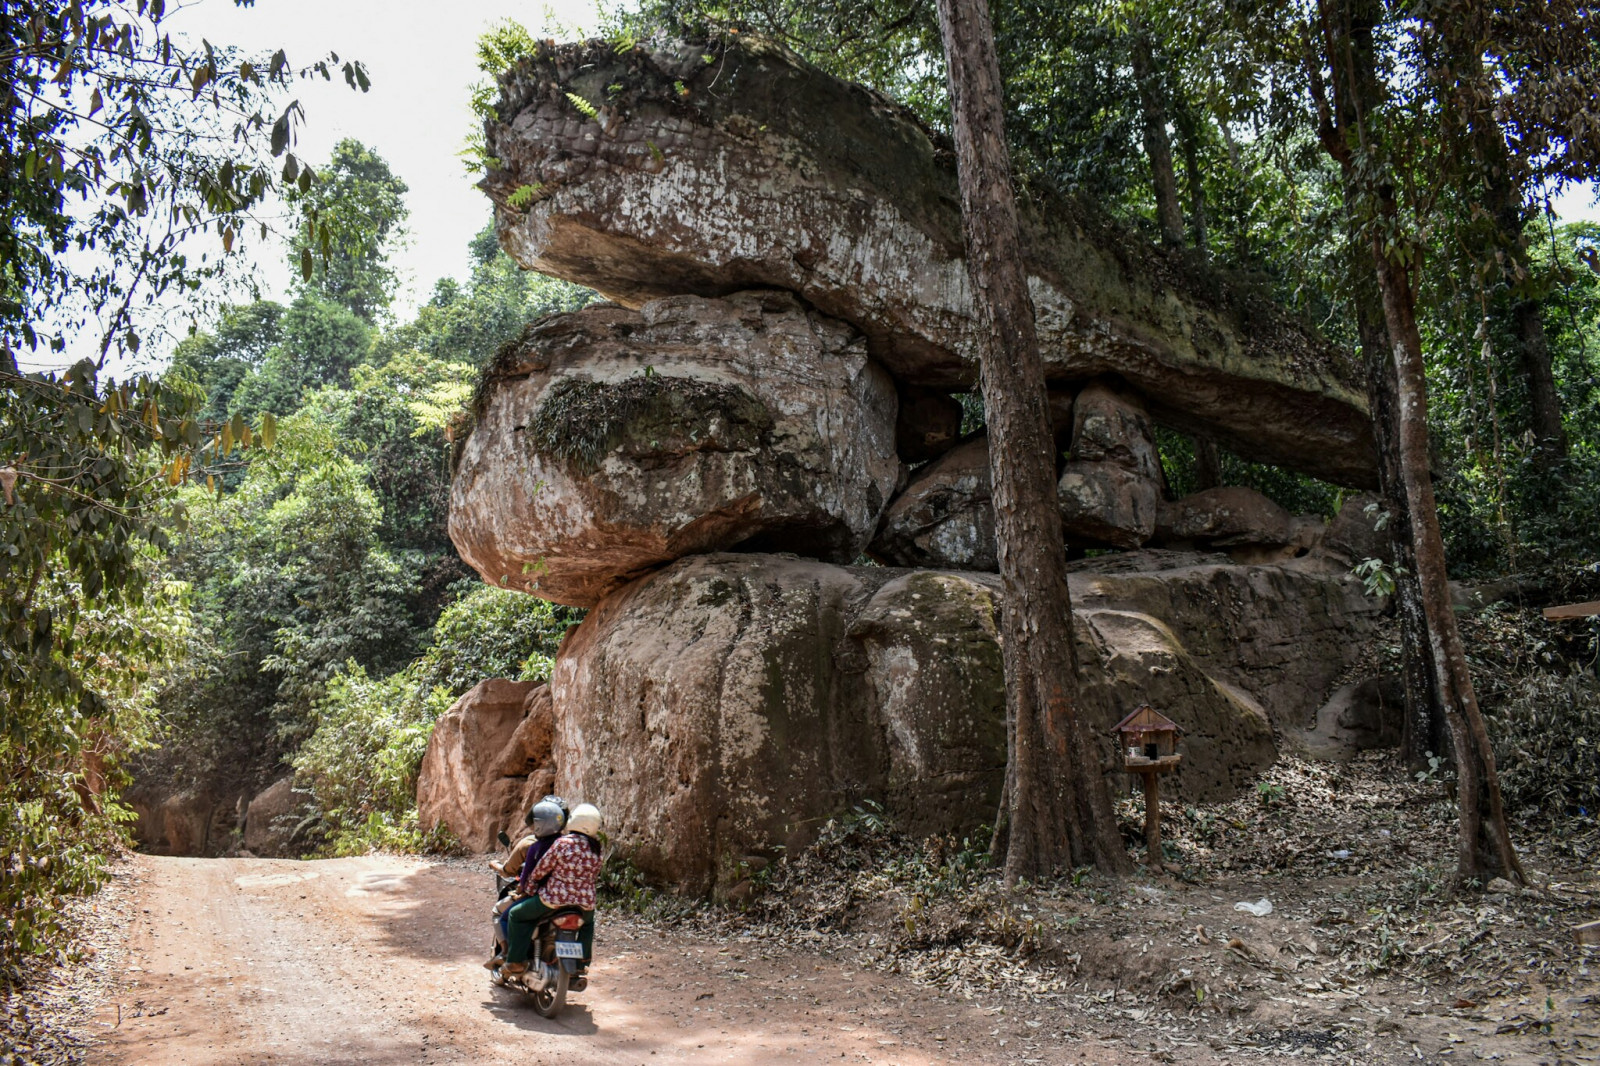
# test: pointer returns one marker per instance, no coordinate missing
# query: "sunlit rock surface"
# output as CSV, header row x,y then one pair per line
x,y
709,169
724,707
611,441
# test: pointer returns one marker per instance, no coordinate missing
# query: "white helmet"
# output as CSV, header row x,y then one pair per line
x,y
586,820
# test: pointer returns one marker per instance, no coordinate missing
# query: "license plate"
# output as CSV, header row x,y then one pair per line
x,y
569,949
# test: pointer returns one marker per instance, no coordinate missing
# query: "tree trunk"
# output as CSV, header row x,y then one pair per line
x,y
1350,49
1401,422
1545,402
1157,143
1423,733
1484,844
1188,131
1207,464
1059,814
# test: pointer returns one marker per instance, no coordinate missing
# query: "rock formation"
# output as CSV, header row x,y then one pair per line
x,y
488,762
612,441
709,169
725,706
1228,517
270,820
945,516
786,250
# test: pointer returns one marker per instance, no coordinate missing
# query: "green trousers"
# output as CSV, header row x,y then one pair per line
x,y
522,919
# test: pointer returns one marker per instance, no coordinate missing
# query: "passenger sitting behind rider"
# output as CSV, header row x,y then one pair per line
x,y
566,877
545,822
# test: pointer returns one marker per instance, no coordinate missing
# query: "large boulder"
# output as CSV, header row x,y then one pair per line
x,y
1110,488
1356,534
1135,658
270,820
1229,517
711,168
190,822
727,705
1280,635
704,710
1103,505
488,760
929,424
935,686
611,441
945,515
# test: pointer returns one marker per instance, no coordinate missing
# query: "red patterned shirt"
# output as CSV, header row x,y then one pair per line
x,y
570,870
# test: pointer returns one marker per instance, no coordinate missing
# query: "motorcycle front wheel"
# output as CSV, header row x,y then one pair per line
x,y
549,1000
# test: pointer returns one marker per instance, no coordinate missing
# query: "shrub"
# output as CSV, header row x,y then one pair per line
x,y
1546,734
361,762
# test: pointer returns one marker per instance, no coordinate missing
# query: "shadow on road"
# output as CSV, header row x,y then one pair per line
x,y
509,1008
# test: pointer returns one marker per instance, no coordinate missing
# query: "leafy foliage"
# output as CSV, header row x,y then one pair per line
x,y
360,764
87,469
1547,744
118,141
350,215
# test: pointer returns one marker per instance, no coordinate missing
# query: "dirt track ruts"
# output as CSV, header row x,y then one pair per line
x,y
375,960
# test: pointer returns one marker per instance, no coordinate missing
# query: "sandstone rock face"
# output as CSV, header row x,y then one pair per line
x,y
269,820
945,516
702,709
936,689
1110,498
1111,488
929,424
1353,534
729,704
1135,658
613,441
182,823
1228,517
1103,504
487,754
1357,717
756,170
1111,426
1280,635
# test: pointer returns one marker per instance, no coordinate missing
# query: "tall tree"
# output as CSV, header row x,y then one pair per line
x,y
1349,99
1157,141
1498,180
1059,809
352,212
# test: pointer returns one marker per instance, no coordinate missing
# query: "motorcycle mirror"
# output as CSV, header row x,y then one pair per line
x,y
505,841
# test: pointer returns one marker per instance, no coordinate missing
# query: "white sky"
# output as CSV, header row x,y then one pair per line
x,y
422,61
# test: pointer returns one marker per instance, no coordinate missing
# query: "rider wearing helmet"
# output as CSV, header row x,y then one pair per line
x,y
566,876
546,821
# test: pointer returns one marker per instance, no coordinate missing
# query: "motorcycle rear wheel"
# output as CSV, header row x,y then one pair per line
x,y
549,1000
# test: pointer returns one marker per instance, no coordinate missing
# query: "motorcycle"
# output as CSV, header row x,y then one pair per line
x,y
557,956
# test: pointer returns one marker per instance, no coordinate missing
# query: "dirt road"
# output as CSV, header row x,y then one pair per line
x,y
376,960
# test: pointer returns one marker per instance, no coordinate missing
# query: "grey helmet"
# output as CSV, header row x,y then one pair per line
x,y
548,817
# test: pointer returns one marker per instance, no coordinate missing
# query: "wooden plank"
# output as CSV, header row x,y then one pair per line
x,y
1588,933
1573,610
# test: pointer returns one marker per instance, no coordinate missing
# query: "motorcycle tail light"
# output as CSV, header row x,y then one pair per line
x,y
569,922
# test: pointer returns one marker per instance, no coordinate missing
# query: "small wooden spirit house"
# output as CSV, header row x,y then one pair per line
x,y
1148,741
